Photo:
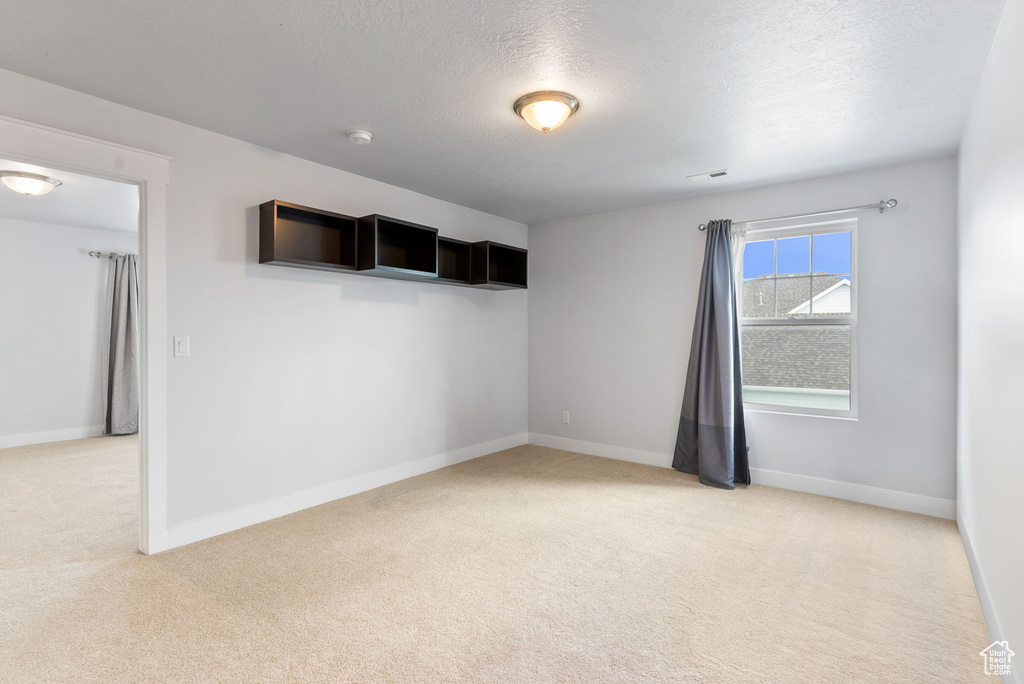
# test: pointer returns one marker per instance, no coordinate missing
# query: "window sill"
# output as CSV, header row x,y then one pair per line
x,y
786,411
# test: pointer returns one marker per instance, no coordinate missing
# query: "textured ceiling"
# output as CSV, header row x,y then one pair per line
x,y
81,201
771,90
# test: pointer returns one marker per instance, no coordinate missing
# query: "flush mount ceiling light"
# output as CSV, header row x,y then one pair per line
x,y
546,110
27,183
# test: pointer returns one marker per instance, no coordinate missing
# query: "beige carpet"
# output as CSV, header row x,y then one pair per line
x,y
530,565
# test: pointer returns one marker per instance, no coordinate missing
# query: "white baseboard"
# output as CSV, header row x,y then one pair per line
x,y
987,607
876,496
25,439
653,458
204,528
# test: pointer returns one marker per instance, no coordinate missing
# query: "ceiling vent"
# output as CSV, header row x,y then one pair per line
x,y
709,174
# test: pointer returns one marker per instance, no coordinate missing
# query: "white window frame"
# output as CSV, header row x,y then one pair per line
x,y
775,232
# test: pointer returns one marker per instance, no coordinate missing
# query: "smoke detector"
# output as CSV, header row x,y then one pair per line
x,y
709,174
360,137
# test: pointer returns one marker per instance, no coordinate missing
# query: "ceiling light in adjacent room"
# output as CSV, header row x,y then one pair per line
x,y
546,110
26,183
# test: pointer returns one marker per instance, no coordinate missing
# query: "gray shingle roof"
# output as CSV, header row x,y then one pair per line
x,y
805,356
792,291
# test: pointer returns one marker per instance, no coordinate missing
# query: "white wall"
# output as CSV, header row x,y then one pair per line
x,y
612,301
300,378
991,334
53,330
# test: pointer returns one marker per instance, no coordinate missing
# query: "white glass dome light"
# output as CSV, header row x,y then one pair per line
x,y
25,183
546,110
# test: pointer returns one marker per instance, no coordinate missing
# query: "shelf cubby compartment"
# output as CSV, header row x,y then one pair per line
x,y
302,237
390,248
498,267
453,261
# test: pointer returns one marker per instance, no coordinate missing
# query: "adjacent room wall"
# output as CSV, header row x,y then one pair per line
x,y
52,305
991,334
612,301
299,379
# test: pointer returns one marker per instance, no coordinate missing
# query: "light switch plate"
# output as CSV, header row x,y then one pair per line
x,y
565,417
181,346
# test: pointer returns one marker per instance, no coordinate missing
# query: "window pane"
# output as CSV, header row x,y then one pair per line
x,y
805,366
832,253
759,298
794,255
793,295
758,259
831,295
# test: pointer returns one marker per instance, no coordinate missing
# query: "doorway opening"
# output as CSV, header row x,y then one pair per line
x,y
70,348
100,266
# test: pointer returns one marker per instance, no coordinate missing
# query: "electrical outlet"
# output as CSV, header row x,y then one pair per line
x,y
565,417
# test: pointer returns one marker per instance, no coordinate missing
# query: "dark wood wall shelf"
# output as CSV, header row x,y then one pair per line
x,y
390,248
498,267
453,261
303,237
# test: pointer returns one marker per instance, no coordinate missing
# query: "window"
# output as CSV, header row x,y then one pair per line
x,y
798,323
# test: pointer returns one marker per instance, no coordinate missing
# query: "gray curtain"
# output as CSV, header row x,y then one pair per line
x,y
712,441
121,367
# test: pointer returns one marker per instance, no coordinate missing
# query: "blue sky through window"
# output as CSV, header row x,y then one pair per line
x,y
831,255
758,259
794,255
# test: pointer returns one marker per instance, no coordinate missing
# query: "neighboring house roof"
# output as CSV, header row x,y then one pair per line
x,y
835,299
800,356
791,291
805,356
